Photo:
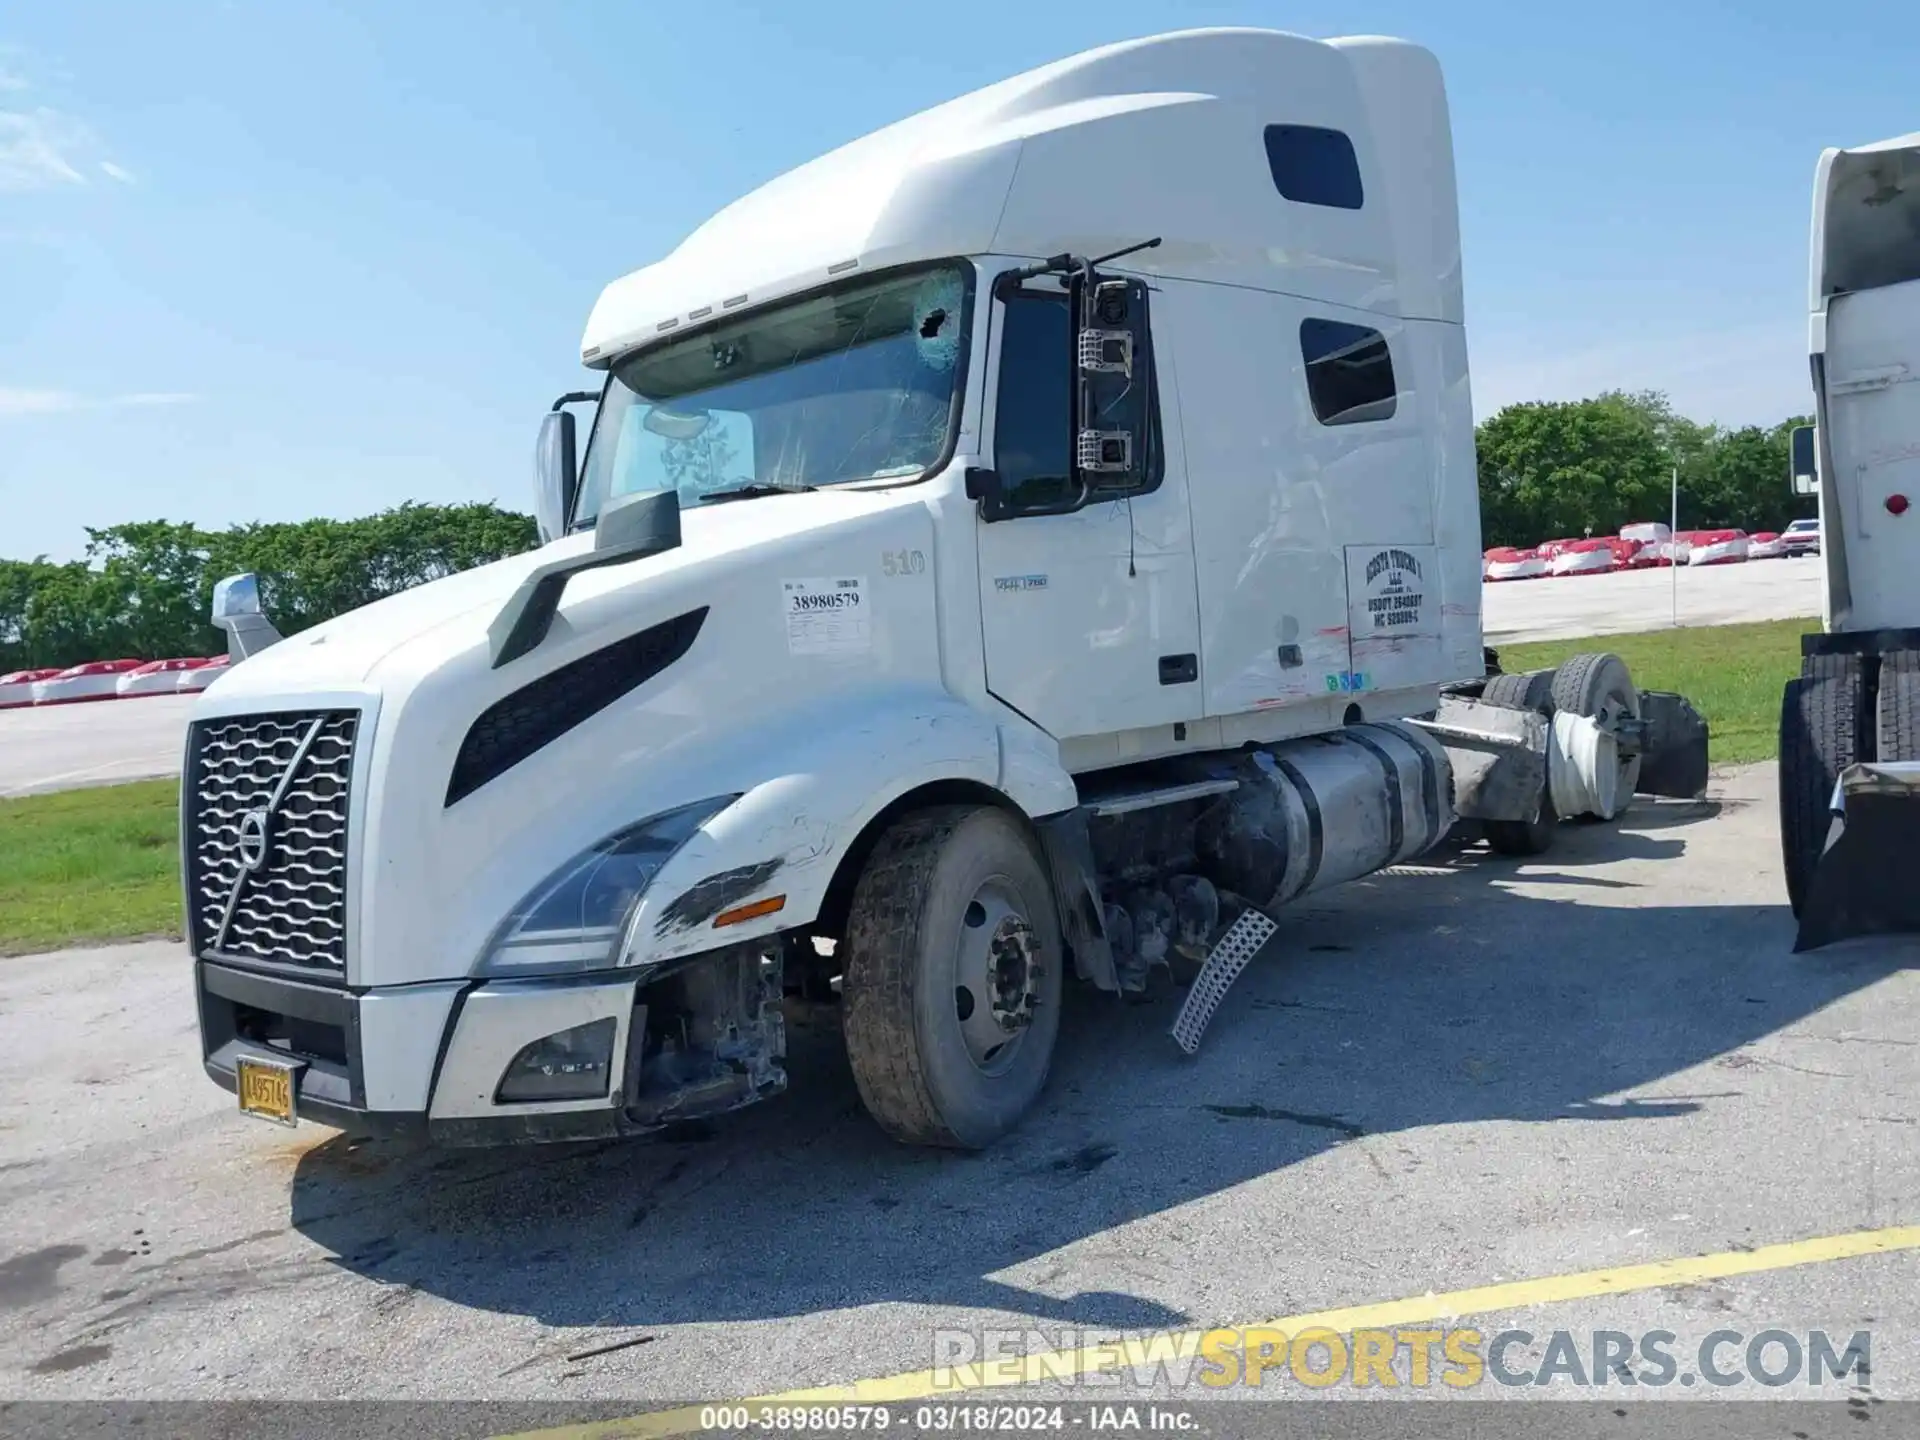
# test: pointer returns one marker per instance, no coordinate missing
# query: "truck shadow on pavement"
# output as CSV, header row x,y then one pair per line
x,y
1440,994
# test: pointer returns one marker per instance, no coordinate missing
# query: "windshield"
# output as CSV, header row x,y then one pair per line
x,y
860,382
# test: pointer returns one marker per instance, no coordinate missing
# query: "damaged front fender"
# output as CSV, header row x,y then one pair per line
x,y
809,782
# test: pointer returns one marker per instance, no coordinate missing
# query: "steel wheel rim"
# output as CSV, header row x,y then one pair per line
x,y
1616,706
996,977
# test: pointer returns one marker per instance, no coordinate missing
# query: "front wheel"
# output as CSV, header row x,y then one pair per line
x,y
953,978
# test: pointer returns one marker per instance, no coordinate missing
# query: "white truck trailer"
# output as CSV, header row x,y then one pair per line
x,y
937,616
1850,724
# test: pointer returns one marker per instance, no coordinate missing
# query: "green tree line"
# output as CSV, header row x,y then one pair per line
x,y
145,590
1547,470
1555,470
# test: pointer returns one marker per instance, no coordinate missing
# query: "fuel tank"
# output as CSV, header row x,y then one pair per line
x,y
1317,811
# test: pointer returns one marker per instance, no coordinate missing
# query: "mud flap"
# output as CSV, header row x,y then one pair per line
x,y
1673,756
1863,884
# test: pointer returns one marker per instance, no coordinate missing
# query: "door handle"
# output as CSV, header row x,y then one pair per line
x,y
1179,669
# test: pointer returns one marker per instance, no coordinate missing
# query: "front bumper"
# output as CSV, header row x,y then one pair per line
x,y
420,1061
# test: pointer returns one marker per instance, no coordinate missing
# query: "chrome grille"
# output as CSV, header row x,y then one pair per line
x,y
267,821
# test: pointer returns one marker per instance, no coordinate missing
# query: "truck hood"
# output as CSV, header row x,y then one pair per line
x,y
346,651
434,872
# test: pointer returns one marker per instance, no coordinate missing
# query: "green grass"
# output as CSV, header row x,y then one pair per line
x,y
93,865
1731,673
89,865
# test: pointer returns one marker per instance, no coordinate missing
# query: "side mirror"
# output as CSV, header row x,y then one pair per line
x,y
1114,391
234,597
556,475
236,610
1805,469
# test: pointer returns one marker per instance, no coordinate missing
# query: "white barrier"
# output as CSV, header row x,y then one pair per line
x,y
109,680
156,677
98,680
201,675
16,687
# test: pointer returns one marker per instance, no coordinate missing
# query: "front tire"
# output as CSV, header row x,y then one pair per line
x,y
953,978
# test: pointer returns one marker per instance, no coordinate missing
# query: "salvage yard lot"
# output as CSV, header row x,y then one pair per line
x,y
79,866
1471,1072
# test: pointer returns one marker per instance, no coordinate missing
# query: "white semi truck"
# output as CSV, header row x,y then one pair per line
x,y
1022,547
1850,724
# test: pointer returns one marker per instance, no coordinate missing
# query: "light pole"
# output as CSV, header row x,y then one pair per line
x,y
1673,552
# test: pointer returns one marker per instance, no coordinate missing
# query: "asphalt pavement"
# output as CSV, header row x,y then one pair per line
x,y
1471,1072
64,747
1566,607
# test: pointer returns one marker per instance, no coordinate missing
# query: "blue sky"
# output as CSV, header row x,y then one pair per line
x,y
272,260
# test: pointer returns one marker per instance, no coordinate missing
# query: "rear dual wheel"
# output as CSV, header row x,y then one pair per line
x,y
1828,721
1531,690
1598,685
1594,684
1897,707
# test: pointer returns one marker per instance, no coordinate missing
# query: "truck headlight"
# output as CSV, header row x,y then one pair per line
x,y
572,920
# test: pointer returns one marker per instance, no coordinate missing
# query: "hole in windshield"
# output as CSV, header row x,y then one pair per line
x,y
860,382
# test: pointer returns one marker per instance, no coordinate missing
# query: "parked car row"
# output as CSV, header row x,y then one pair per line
x,y
1648,545
108,680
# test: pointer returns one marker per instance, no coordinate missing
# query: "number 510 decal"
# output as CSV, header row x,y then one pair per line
x,y
903,562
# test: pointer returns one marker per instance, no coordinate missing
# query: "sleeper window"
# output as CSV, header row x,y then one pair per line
x,y
1313,166
1349,372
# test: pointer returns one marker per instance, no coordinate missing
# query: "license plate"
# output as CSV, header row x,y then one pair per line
x,y
266,1090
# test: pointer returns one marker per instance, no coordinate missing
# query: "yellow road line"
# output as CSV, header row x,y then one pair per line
x,y
1054,1365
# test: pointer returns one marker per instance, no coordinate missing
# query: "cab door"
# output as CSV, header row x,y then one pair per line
x,y
1090,614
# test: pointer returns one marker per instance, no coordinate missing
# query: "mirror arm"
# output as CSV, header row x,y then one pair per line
x,y
632,529
523,622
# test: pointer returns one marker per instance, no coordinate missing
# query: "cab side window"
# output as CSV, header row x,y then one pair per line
x,y
1033,428
1033,422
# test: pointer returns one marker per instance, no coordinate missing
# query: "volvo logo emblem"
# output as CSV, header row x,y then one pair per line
x,y
253,839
